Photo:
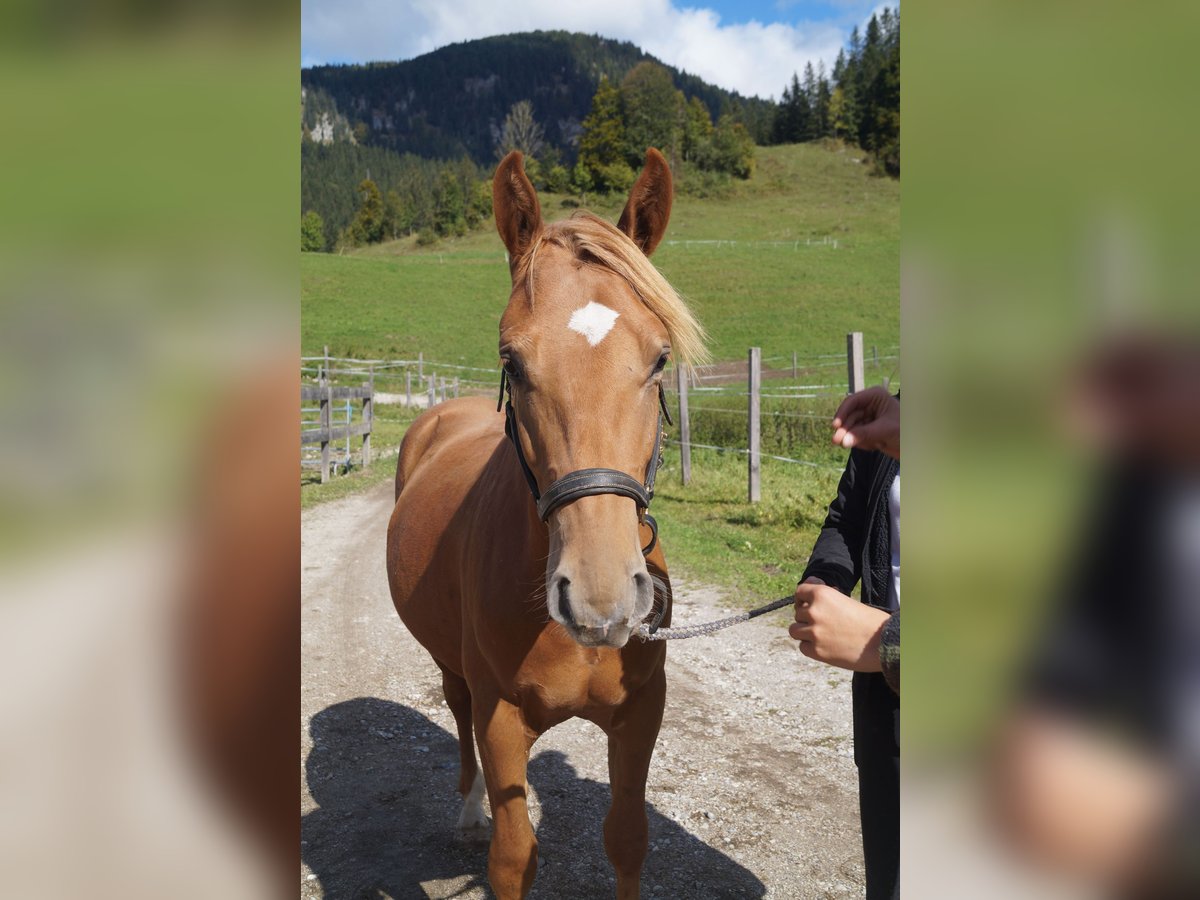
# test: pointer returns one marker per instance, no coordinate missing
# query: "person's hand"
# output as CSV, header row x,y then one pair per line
x,y
835,629
869,420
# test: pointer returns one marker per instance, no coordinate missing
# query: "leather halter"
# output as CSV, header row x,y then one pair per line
x,y
589,482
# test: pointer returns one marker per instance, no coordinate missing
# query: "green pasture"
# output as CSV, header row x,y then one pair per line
x,y
799,295
755,551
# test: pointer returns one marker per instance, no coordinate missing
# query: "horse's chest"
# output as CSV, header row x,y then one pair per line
x,y
590,679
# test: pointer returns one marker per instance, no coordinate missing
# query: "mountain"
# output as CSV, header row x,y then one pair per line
x,y
453,101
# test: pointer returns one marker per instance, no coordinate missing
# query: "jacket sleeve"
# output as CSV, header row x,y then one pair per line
x,y
889,652
837,555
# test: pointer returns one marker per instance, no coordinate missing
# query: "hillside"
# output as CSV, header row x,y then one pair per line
x,y
395,299
452,101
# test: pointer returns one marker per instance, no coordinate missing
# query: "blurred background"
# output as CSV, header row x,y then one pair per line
x,y
1049,326
147,294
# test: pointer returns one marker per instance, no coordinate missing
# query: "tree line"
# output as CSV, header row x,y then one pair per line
x,y
859,103
354,191
352,195
403,195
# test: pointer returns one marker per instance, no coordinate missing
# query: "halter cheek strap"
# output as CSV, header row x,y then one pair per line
x,y
589,482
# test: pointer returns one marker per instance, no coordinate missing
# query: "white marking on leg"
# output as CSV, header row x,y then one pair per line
x,y
472,815
593,321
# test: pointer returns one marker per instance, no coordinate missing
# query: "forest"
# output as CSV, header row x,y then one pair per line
x,y
396,149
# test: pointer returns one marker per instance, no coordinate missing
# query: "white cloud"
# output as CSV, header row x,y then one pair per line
x,y
751,58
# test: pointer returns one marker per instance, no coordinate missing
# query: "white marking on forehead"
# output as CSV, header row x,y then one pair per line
x,y
593,321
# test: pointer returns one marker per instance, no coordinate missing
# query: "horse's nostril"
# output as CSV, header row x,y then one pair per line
x,y
564,604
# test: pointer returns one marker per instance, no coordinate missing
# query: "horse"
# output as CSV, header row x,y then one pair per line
x,y
515,551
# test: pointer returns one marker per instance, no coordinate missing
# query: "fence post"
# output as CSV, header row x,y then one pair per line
x,y
755,366
854,361
325,426
443,387
793,365
685,425
420,365
407,386
432,391
455,387
368,418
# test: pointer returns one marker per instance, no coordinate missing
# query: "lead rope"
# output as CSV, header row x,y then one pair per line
x,y
690,631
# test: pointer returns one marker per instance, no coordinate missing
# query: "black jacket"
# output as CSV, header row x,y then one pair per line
x,y
854,546
854,543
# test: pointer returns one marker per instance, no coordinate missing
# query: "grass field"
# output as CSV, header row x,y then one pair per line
x,y
394,300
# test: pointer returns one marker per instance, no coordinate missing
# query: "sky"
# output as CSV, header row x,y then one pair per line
x,y
749,46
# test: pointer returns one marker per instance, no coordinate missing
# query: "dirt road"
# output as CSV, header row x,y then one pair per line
x,y
752,792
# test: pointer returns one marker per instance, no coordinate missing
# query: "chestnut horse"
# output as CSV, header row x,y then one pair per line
x,y
528,607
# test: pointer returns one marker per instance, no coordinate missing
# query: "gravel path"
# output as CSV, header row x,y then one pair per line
x,y
752,792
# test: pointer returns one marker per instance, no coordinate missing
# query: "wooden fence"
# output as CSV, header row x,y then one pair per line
x,y
855,381
326,433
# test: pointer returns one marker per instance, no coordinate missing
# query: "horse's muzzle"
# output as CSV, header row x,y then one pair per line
x,y
616,635
590,627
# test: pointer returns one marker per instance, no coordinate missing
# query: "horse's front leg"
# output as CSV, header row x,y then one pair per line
x,y
631,740
504,744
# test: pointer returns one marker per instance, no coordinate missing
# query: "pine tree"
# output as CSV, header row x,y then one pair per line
x,y
793,120
812,128
884,124
821,127
782,127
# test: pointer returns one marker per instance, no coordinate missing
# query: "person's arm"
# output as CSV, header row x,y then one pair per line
x,y
836,558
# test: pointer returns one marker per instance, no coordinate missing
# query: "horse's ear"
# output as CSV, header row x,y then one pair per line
x,y
646,214
515,204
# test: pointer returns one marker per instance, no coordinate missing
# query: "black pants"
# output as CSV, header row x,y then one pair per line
x,y
877,754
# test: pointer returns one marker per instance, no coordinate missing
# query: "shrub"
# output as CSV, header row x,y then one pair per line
x,y
312,232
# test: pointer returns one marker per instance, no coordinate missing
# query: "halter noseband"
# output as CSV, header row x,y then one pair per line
x,y
588,482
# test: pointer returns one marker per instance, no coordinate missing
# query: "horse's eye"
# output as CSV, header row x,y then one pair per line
x,y
662,362
511,368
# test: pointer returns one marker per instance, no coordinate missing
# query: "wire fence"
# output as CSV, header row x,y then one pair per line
x,y
735,415
733,244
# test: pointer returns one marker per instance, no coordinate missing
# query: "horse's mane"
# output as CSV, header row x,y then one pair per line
x,y
593,240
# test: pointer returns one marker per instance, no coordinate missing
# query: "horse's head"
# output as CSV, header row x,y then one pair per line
x,y
588,329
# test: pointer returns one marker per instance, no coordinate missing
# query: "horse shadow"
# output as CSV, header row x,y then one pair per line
x,y
385,780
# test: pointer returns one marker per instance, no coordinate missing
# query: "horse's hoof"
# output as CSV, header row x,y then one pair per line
x,y
477,833
473,820
472,816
